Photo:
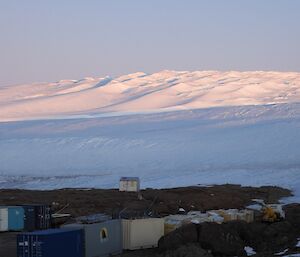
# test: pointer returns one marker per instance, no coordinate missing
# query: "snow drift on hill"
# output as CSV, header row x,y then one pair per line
x,y
162,91
168,128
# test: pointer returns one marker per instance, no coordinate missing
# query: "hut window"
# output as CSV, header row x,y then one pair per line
x,y
103,235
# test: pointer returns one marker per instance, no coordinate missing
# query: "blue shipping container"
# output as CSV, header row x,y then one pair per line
x,y
43,216
40,214
51,243
15,218
29,218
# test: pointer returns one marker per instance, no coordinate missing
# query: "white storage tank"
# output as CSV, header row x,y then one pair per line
x,y
142,233
3,219
129,184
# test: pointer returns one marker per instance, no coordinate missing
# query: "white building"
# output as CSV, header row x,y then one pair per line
x,y
129,184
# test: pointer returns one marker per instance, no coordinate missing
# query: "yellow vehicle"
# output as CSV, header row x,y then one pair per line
x,y
271,212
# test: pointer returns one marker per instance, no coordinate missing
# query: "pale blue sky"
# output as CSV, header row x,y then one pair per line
x,y
71,39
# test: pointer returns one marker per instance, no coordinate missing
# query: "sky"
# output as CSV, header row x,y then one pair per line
x,y
71,39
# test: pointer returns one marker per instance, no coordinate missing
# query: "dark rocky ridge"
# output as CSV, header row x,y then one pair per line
x,y
204,240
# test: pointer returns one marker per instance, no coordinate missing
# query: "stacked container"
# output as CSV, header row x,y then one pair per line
x,y
51,243
101,239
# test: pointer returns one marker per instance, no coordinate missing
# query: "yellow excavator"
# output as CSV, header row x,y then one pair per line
x,y
271,212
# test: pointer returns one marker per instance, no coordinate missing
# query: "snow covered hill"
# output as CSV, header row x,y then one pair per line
x,y
139,92
169,128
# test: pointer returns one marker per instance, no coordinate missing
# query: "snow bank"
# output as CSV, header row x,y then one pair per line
x,y
249,250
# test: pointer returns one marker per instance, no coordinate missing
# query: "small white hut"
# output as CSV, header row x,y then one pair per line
x,y
129,184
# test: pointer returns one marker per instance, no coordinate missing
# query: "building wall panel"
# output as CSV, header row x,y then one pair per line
x,y
142,233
